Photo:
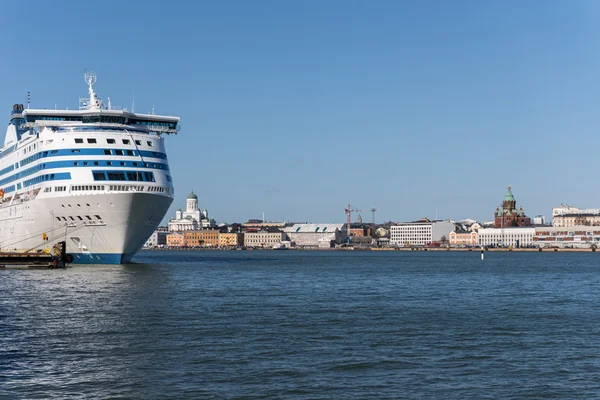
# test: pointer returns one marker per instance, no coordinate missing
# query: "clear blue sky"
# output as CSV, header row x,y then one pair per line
x,y
299,108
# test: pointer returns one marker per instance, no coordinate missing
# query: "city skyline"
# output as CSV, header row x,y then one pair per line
x,y
357,216
298,109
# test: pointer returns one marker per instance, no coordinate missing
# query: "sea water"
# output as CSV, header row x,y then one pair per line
x,y
305,325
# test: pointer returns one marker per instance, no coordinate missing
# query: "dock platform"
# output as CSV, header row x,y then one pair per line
x,y
37,260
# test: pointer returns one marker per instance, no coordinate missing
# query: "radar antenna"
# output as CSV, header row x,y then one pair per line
x,y
94,102
90,79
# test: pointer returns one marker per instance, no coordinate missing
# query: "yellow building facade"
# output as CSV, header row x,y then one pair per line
x,y
176,240
231,239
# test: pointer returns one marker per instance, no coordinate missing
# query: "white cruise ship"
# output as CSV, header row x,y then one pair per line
x,y
96,177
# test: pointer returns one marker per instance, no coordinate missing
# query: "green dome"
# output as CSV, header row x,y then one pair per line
x,y
509,196
192,196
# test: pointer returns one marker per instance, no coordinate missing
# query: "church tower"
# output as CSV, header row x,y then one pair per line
x,y
191,202
509,202
509,216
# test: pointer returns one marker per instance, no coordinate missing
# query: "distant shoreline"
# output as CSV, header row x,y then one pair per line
x,y
387,249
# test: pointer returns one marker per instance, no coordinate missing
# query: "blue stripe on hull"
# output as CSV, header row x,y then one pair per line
x,y
101,258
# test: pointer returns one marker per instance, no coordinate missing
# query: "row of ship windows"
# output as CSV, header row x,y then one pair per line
x,y
79,188
78,217
86,187
117,152
113,188
56,189
121,163
46,177
30,148
123,176
42,178
106,152
158,189
112,141
87,119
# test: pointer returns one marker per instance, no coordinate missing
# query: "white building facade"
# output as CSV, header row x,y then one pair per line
x,y
192,218
567,237
464,238
263,238
317,235
504,237
420,233
568,216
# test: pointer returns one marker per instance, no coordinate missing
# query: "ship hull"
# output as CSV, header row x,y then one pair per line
x,y
107,228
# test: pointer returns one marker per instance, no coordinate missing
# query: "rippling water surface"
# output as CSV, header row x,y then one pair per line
x,y
306,325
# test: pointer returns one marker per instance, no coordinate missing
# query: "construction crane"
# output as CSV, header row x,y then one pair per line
x,y
349,212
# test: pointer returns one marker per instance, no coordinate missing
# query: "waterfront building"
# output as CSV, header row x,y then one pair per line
x,y
263,238
509,215
357,232
579,236
382,232
568,216
205,237
464,238
317,235
176,239
504,237
158,238
191,238
209,237
231,239
539,220
420,233
192,218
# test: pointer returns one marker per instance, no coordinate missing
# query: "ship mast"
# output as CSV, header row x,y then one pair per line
x,y
94,102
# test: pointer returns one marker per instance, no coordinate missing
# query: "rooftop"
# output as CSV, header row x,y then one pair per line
x,y
314,228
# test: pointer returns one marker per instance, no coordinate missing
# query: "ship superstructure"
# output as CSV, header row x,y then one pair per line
x,y
97,178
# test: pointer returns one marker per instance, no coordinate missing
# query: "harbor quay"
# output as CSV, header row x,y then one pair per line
x,y
572,229
393,249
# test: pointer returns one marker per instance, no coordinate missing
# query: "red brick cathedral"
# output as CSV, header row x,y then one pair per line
x,y
509,215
